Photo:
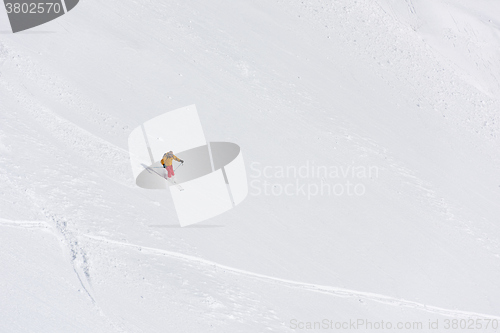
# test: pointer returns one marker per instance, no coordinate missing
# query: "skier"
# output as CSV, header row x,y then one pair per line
x,y
166,161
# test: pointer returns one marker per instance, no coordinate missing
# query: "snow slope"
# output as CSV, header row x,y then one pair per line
x,y
387,84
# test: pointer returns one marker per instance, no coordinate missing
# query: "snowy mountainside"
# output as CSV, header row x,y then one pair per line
x,y
339,84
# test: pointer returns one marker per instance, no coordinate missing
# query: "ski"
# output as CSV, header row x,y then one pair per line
x,y
174,183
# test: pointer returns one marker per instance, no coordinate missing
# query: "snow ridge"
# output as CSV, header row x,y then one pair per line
x,y
330,290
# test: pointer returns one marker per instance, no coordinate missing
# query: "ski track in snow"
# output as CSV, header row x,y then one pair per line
x,y
96,150
333,291
78,269
24,224
75,251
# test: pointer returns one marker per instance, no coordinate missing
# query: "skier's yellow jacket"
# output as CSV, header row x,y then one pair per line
x,y
167,159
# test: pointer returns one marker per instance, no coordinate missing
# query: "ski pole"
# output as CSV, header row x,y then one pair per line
x,y
179,166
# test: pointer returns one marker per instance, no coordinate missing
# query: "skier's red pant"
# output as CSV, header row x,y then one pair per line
x,y
170,170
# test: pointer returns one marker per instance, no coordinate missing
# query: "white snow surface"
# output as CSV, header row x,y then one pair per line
x,y
409,87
